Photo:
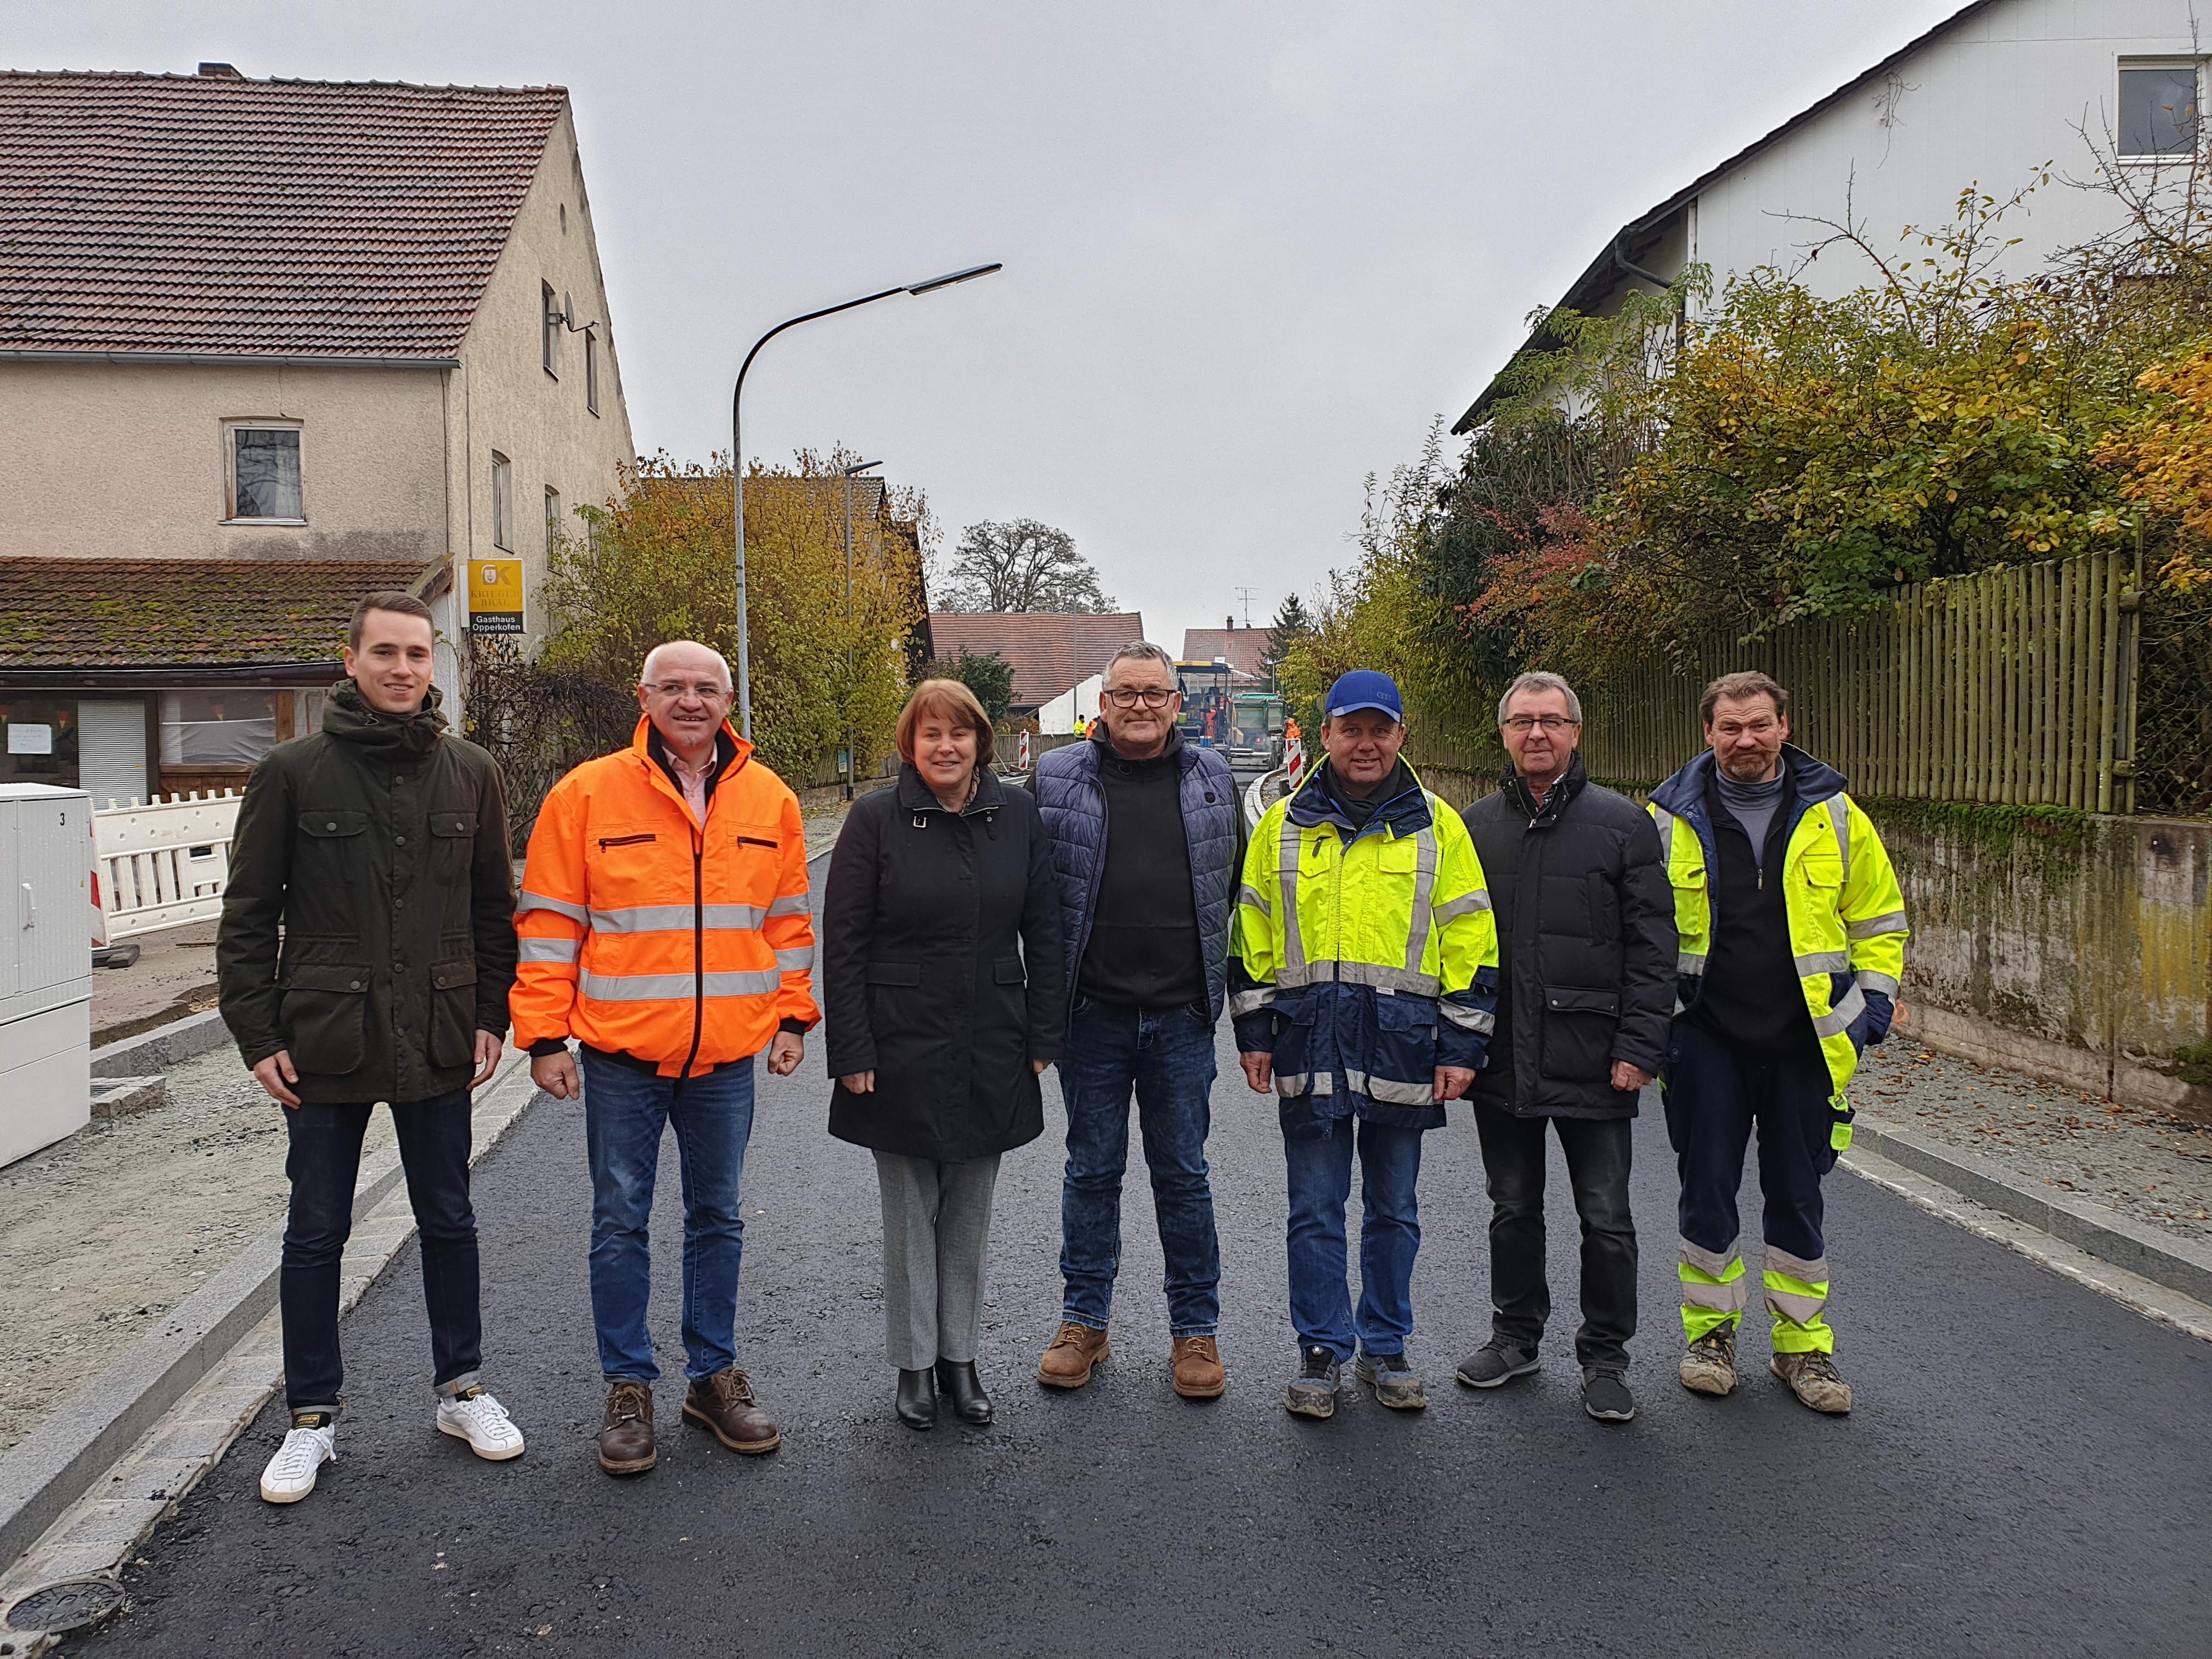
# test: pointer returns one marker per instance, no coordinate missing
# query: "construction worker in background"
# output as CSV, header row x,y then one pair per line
x,y
1363,980
1792,935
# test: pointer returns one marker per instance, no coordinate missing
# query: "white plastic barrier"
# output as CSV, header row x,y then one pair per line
x,y
163,864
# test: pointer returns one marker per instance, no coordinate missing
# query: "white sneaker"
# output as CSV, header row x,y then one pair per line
x,y
480,1421
291,1474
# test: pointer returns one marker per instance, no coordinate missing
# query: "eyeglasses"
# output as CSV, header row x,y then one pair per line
x,y
1150,699
705,690
1521,723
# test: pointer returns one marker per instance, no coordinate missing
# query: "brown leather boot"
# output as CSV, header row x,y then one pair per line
x,y
1068,1360
1198,1373
626,1438
724,1402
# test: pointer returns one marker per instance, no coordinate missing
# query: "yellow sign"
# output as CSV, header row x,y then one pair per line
x,y
495,596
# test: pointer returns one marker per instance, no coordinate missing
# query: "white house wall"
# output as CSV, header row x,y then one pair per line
x,y
505,401
1985,104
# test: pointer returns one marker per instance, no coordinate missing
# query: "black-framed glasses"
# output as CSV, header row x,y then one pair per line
x,y
1521,723
1149,697
706,691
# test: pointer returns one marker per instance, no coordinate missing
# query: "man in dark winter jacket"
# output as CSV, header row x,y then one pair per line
x,y
1145,845
1586,961
366,949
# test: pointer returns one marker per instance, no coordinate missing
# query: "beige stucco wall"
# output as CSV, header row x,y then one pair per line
x,y
504,400
125,460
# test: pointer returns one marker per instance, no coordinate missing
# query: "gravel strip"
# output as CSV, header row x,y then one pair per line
x,y
105,1230
2153,1170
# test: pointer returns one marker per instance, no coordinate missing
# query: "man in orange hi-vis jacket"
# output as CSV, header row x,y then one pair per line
x,y
664,927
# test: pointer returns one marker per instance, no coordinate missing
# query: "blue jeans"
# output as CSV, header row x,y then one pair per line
x,y
624,1114
1389,1235
1167,1056
323,1163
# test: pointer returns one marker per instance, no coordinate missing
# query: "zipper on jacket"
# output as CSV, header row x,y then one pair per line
x,y
755,840
606,842
698,956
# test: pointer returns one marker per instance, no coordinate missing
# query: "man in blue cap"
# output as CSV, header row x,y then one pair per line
x,y
1363,980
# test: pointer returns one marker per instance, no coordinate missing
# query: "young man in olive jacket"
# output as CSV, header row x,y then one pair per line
x,y
1586,964
367,947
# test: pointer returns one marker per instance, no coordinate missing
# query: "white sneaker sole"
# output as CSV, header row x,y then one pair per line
x,y
491,1454
268,1496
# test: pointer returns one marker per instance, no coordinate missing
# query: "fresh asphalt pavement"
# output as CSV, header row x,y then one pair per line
x,y
2026,1473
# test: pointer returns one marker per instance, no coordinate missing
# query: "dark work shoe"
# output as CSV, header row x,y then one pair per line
x,y
1392,1380
1495,1363
626,1438
1312,1392
917,1399
724,1405
1607,1398
958,1381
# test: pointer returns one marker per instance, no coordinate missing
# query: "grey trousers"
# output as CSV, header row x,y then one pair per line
x,y
937,1225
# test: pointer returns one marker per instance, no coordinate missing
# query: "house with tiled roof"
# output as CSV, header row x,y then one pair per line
x,y
267,345
1244,649
1050,652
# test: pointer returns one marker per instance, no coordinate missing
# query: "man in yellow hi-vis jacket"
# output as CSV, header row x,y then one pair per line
x,y
1792,936
1362,978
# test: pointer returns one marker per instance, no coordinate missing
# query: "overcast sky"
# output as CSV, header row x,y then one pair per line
x,y
1251,249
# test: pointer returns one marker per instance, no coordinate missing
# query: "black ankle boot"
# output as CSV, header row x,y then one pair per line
x,y
917,1399
956,1380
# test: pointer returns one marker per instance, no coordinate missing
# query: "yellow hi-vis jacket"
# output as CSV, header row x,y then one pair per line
x,y
1846,914
1363,957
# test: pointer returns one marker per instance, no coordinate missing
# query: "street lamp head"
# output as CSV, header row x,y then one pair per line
x,y
947,281
860,467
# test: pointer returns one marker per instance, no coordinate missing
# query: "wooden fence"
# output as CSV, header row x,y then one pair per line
x,y
2015,686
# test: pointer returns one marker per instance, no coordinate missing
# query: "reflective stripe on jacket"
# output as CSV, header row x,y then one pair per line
x,y
1365,958
1847,925
648,934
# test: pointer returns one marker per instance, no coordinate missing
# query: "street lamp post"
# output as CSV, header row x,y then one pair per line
x,y
852,752
738,456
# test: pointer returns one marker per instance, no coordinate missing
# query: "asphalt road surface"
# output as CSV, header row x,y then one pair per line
x,y
2027,1472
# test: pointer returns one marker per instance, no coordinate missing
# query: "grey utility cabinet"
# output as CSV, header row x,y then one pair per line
x,y
46,966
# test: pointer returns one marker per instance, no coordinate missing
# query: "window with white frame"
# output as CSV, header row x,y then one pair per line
x,y
591,371
502,502
2158,107
552,520
549,317
261,464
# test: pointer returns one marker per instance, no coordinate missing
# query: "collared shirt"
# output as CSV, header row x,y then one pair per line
x,y
693,780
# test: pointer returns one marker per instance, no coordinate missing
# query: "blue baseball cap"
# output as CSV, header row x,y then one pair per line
x,y
1363,688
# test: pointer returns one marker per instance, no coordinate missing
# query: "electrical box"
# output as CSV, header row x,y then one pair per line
x,y
46,966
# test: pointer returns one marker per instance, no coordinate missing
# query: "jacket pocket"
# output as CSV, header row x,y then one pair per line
x,y
1403,1051
894,973
323,1012
453,845
1007,970
453,1012
1579,1026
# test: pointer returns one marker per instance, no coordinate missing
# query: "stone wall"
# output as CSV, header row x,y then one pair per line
x,y
2074,946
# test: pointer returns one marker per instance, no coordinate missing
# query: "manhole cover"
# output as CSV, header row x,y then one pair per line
x,y
69,1604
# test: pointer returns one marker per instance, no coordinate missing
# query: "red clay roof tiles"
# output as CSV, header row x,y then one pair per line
x,y
105,613
178,214
1049,651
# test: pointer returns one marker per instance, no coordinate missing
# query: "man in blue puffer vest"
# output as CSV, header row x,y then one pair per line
x,y
1146,843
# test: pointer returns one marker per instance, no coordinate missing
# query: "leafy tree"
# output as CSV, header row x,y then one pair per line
x,y
1021,565
657,565
990,678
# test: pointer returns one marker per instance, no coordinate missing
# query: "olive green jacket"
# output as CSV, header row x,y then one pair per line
x,y
368,920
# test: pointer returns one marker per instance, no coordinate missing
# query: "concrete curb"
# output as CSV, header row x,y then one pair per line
x,y
162,1046
46,1472
2179,1264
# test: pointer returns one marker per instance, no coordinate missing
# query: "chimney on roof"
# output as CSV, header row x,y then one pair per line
x,y
1230,624
219,72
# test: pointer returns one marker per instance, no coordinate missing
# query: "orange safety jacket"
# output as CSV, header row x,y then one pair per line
x,y
646,932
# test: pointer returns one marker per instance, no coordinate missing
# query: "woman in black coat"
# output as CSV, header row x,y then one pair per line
x,y
946,997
